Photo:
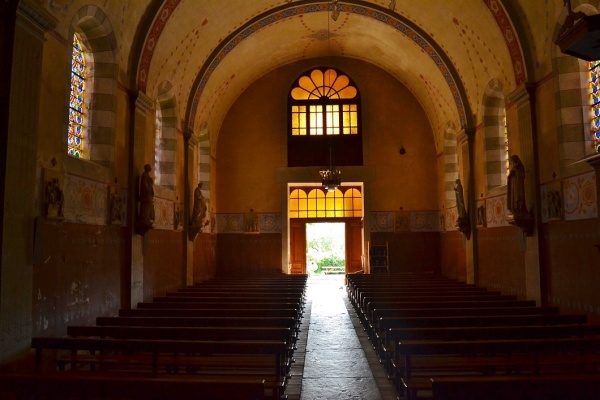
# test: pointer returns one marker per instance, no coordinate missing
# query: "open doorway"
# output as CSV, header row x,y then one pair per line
x,y
325,248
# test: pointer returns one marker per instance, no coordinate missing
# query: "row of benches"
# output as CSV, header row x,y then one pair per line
x,y
446,339
221,339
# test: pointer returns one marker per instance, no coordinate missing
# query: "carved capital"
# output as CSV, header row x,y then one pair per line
x,y
524,93
34,17
143,103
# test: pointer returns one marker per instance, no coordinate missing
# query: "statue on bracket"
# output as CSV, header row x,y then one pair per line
x,y
145,218
515,198
463,223
54,200
198,214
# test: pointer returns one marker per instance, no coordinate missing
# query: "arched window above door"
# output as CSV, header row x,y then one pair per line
x,y
324,120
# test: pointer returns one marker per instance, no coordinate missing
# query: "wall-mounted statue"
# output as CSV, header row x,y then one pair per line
x,y
515,197
54,200
515,202
146,196
460,199
199,211
463,223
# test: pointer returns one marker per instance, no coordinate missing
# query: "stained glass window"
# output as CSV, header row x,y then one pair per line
x,y
506,148
594,87
76,102
319,203
329,104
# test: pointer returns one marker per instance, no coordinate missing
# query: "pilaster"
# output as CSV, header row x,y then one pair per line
x,y
526,148
466,139
142,105
19,174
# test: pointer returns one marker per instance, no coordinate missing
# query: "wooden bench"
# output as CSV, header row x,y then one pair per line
x,y
332,269
454,312
256,359
215,303
189,333
402,293
508,354
395,335
283,322
543,387
124,387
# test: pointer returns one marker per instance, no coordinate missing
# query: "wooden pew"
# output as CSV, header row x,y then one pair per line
x,y
524,356
215,303
227,299
189,333
286,322
376,314
125,387
366,300
257,359
181,333
543,387
209,312
395,335
391,291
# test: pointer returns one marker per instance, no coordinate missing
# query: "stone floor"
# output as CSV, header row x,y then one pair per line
x,y
334,359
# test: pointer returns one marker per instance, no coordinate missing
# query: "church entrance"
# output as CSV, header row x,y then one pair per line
x,y
325,248
338,211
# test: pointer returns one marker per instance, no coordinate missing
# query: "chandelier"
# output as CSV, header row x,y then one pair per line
x,y
331,177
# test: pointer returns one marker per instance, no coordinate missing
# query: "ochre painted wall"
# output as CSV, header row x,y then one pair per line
x,y
251,143
572,270
501,259
162,262
76,275
452,255
411,251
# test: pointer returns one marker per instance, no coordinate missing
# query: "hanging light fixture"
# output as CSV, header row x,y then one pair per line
x,y
331,177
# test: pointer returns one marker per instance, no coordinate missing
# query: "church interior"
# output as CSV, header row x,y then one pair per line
x,y
154,145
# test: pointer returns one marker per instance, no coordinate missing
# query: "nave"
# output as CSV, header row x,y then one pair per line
x,y
378,337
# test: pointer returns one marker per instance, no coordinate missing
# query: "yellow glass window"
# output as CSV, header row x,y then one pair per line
x,y
299,120
318,203
324,102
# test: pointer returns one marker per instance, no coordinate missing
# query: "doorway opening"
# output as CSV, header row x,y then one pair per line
x,y
325,248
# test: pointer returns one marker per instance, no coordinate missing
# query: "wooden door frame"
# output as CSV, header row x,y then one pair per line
x,y
345,220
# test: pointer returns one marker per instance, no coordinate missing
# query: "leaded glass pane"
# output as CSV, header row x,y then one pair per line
x,y
594,88
316,120
323,204
298,120
77,101
350,118
333,119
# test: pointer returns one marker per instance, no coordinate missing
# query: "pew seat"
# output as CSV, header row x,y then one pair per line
x,y
108,386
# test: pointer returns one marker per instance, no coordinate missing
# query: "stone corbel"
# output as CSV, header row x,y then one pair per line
x,y
523,220
463,224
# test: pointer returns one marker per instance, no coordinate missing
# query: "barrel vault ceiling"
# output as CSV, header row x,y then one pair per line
x,y
445,51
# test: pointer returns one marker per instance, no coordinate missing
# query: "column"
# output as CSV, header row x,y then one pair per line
x,y
465,141
526,148
143,105
191,181
31,22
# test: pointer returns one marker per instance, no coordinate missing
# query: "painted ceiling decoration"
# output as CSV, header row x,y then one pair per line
x,y
369,12
461,92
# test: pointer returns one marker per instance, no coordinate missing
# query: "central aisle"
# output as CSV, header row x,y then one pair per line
x,y
335,365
